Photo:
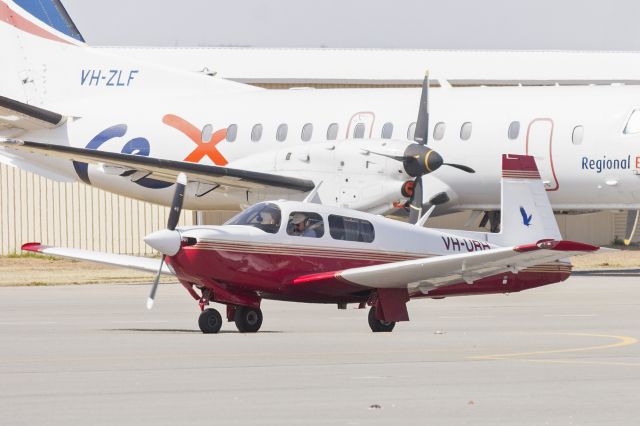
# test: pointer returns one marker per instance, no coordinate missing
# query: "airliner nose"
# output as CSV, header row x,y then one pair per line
x,y
165,241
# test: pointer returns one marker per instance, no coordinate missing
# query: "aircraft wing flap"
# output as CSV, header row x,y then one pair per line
x,y
165,170
455,268
131,262
18,115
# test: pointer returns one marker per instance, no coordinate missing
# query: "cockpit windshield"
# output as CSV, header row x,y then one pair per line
x,y
633,125
265,216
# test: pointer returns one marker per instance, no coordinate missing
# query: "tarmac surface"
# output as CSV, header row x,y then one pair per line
x,y
562,354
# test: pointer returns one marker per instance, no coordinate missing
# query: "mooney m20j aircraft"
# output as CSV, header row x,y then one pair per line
x,y
307,252
131,127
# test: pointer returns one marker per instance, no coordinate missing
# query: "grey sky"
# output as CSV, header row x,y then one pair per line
x,y
449,24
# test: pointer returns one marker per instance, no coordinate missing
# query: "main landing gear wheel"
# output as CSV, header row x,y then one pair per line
x,y
248,320
378,325
210,321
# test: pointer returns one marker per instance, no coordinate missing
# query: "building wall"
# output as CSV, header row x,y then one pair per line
x,y
75,215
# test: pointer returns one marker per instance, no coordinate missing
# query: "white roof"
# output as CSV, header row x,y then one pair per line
x,y
394,66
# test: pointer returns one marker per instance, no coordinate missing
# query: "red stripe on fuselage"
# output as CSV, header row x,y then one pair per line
x,y
12,18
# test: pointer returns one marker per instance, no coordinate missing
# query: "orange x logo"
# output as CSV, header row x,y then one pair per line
x,y
204,148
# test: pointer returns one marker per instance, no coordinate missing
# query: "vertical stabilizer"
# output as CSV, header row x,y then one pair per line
x,y
526,214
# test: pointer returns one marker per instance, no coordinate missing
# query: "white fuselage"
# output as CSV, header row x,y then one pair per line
x,y
577,176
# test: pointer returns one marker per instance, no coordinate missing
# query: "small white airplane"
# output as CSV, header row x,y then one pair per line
x,y
69,112
307,252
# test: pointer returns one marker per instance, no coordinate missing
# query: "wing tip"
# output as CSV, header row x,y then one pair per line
x,y
35,247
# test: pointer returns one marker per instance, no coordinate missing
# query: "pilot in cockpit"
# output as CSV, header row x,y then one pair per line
x,y
300,226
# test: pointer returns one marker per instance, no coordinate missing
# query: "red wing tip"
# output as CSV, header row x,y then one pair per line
x,y
557,245
32,247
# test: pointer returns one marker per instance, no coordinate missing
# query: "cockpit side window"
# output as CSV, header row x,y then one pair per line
x,y
633,125
351,229
305,224
265,216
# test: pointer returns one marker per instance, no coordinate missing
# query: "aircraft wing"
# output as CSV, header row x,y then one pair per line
x,y
455,268
18,115
138,167
131,262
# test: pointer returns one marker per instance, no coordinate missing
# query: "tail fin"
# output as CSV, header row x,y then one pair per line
x,y
526,214
46,63
52,14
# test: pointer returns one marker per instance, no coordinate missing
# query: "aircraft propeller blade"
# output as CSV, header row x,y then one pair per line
x,y
415,203
154,287
460,167
176,204
421,135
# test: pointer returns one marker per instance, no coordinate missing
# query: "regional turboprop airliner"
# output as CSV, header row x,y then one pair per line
x,y
69,112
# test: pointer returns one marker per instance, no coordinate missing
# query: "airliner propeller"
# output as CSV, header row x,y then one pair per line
x,y
419,160
168,241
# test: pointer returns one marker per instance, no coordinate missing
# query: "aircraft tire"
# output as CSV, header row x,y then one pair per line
x,y
210,321
378,326
248,320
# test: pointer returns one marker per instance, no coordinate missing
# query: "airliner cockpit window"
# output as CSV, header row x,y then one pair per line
x,y
633,125
265,216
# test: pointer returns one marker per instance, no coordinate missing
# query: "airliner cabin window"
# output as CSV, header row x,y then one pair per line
x,y
332,132
438,131
387,131
207,133
633,125
577,135
358,131
411,131
265,216
256,132
281,133
305,224
307,132
232,132
514,130
465,131
350,229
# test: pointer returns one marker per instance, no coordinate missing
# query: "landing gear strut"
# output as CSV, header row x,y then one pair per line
x,y
379,325
248,320
210,321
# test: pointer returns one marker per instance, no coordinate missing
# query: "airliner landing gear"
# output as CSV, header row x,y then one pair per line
x,y
379,325
248,320
210,321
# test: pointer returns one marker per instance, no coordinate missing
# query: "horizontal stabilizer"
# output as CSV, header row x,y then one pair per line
x,y
164,170
15,114
131,262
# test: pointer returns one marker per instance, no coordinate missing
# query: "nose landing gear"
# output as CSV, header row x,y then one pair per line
x,y
210,321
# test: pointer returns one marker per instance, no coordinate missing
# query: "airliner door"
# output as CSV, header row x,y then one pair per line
x,y
361,125
540,145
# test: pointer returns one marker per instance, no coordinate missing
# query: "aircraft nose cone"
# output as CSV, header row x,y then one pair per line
x,y
165,241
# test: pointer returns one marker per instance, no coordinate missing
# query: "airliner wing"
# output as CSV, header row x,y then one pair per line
x,y
131,262
18,115
138,167
455,268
